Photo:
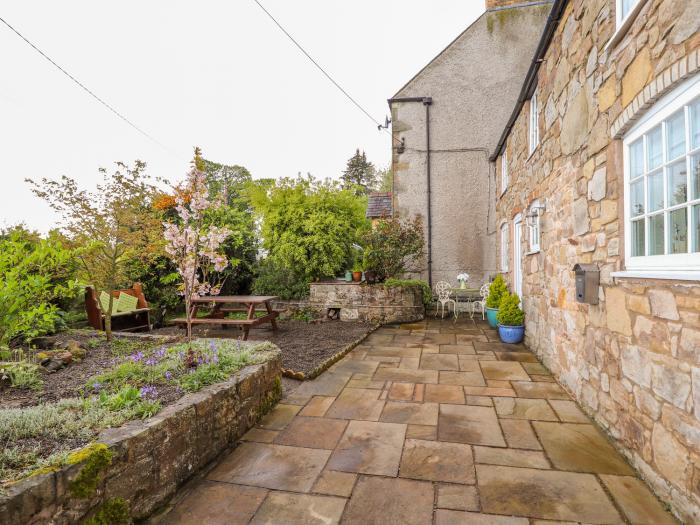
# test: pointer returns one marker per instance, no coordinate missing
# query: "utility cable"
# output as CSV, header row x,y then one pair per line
x,y
325,73
84,87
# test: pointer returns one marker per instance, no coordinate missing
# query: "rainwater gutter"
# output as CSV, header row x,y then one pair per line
x,y
427,102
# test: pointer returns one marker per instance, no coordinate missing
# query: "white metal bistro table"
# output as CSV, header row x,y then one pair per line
x,y
466,296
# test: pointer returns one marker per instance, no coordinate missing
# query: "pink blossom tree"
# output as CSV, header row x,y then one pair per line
x,y
192,245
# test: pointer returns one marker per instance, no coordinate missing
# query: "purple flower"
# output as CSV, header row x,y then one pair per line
x,y
168,375
212,345
160,353
151,361
96,386
148,392
137,357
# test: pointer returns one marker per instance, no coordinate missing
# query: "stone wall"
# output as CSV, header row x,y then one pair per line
x,y
151,459
633,360
465,123
374,303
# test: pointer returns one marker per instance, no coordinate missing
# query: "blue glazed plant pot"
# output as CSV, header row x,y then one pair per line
x,y
511,334
491,316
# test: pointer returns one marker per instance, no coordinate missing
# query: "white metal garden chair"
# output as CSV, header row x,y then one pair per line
x,y
484,293
443,290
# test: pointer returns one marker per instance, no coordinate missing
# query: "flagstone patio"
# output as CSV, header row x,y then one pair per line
x,y
433,422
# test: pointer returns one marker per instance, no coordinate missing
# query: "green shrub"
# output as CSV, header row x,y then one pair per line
x,y
274,279
497,290
308,226
37,276
21,374
509,313
424,286
393,247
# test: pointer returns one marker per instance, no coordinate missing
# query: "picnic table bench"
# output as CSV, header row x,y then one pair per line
x,y
224,304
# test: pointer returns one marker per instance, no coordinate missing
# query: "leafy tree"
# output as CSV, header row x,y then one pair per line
x,y
394,247
360,175
36,276
113,225
308,227
385,180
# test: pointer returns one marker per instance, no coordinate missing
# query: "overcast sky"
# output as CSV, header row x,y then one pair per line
x,y
218,74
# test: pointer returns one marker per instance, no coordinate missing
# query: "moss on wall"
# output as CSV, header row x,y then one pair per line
x,y
97,457
114,511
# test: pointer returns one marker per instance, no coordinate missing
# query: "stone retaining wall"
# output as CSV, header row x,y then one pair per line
x,y
373,303
151,459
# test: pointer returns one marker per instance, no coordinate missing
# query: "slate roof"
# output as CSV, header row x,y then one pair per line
x,y
379,205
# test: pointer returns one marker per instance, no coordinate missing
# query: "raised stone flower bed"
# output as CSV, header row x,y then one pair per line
x,y
137,467
372,303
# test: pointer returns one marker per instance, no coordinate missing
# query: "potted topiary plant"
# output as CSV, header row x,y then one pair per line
x,y
497,290
510,320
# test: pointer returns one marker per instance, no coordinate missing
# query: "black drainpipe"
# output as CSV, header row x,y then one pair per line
x,y
426,101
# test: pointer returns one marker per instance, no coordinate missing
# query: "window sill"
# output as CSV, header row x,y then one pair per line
x,y
533,252
624,27
669,275
503,193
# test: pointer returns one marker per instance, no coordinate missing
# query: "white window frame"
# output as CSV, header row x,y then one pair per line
x,y
619,18
504,171
661,266
505,254
534,126
534,227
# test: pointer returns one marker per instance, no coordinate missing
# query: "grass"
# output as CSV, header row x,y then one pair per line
x,y
128,390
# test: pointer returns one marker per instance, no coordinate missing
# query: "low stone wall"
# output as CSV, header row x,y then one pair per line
x,y
150,459
373,303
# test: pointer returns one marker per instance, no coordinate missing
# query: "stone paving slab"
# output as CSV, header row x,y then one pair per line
x,y
436,423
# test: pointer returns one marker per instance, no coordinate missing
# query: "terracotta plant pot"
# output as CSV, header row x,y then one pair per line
x,y
357,276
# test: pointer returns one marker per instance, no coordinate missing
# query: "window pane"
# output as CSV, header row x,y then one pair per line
x,y
695,123
695,213
638,238
627,6
636,159
654,150
695,176
675,135
656,191
677,184
678,233
637,198
656,234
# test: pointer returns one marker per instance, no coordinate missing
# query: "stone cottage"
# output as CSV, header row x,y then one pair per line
x,y
599,165
446,123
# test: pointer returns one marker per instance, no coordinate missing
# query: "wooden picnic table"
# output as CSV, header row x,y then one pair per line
x,y
223,304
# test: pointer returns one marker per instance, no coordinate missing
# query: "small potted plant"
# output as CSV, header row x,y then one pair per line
x,y
510,320
357,272
463,278
370,274
497,290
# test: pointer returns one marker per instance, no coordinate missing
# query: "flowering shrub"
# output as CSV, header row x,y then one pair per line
x,y
394,247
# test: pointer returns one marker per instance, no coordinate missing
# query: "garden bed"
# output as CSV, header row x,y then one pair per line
x,y
304,345
132,470
104,385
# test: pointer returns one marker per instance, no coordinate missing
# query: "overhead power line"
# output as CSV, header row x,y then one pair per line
x,y
320,68
84,87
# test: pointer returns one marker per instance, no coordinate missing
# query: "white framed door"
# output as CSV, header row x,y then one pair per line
x,y
518,255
